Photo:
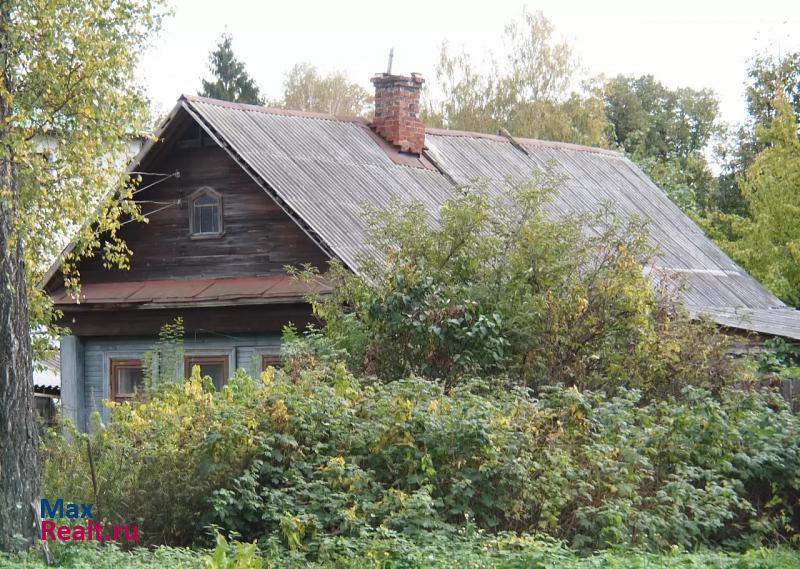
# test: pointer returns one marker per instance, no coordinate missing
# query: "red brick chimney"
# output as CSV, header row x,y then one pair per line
x,y
397,111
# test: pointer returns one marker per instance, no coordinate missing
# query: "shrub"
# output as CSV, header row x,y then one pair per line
x,y
315,454
780,357
499,285
158,460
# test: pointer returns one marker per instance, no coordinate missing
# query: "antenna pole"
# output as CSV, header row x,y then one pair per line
x,y
391,57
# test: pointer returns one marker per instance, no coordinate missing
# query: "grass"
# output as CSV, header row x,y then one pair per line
x,y
402,554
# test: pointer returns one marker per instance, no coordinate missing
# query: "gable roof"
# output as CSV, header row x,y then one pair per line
x,y
324,169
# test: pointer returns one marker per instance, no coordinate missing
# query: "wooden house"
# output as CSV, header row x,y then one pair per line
x,y
234,193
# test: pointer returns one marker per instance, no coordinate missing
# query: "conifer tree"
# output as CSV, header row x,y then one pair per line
x,y
231,81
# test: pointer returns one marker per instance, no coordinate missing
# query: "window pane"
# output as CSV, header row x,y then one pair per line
x,y
206,200
205,214
216,372
196,226
214,367
128,380
267,361
208,219
214,219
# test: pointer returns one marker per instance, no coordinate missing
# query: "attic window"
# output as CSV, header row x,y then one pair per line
x,y
205,214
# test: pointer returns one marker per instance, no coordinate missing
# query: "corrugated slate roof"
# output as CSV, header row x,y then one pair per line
x,y
324,170
46,376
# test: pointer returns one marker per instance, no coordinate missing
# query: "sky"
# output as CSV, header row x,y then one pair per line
x,y
692,43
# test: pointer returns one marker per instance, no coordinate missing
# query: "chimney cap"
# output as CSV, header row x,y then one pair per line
x,y
383,78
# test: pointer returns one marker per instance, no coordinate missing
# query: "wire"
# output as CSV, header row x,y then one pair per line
x,y
175,174
149,213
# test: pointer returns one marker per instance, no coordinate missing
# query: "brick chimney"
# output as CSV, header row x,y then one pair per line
x,y
397,111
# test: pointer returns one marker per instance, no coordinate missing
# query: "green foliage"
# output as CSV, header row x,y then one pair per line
x,y
91,555
767,241
771,78
200,437
304,89
388,550
529,93
166,356
161,361
70,110
498,287
666,132
234,555
231,81
780,357
313,455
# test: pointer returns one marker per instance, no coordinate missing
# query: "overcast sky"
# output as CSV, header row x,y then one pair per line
x,y
691,43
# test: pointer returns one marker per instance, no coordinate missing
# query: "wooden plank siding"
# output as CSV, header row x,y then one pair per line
x,y
245,352
259,238
270,318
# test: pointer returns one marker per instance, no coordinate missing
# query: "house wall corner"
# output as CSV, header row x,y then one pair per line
x,y
72,380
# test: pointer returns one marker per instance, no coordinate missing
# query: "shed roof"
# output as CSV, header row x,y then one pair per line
x,y
47,377
266,289
325,169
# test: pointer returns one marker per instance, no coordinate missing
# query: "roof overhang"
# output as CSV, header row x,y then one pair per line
x,y
189,293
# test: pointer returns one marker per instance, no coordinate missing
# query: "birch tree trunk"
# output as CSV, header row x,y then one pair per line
x,y
69,106
19,464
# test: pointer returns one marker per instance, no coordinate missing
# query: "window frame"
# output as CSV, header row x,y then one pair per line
x,y
191,360
200,193
270,355
273,360
114,365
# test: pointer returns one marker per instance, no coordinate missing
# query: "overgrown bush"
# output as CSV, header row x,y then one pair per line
x,y
314,453
501,285
780,357
158,461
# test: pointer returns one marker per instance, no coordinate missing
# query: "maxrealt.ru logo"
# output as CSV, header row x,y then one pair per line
x,y
87,531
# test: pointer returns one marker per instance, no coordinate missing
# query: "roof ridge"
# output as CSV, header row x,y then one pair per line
x,y
273,110
365,122
531,141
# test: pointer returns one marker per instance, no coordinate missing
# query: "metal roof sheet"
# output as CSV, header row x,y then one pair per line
x,y
47,376
324,170
263,289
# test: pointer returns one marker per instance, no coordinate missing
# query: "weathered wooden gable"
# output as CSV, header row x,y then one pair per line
x,y
259,237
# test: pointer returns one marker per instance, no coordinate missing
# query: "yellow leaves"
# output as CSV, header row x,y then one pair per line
x,y
268,375
336,461
279,413
407,408
351,513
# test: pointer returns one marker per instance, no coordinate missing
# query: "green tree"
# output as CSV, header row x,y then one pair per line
x,y
766,241
304,89
770,78
529,94
68,111
773,77
499,287
230,79
666,131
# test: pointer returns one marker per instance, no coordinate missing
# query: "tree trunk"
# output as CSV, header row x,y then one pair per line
x,y
19,464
